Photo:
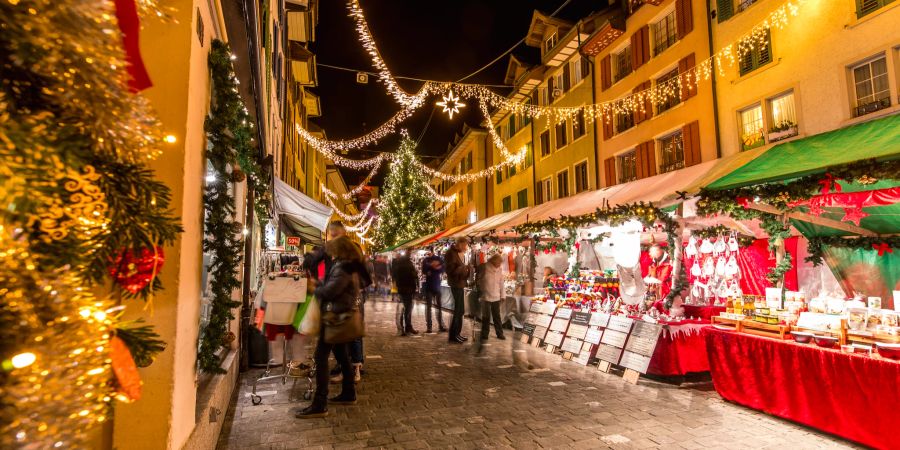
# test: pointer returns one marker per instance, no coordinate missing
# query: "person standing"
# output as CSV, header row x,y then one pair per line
x,y
339,291
432,268
405,276
457,277
490,286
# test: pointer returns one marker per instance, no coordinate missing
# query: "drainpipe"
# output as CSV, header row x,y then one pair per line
x,y
715,97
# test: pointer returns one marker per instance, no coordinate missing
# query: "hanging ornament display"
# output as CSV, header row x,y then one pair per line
x,y
451,103
134,271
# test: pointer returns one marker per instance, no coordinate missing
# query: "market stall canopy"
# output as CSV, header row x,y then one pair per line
x,y
419,240
444,234
879,138
300,215
486,225
658,189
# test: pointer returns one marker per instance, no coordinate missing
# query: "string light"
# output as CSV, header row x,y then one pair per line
x,y
451,103
345,216
359,188
441,198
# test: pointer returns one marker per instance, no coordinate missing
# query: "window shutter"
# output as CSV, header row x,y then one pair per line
x,y
607,128
639,116
684,19
585,67
690,135
538,193
724,10
609,169
646,160
605,73
645,44
636,50
566,74
684,65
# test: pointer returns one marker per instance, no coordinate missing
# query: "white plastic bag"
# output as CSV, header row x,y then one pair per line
x,y
310,324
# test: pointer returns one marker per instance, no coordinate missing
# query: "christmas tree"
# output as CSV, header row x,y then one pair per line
x,y
406,209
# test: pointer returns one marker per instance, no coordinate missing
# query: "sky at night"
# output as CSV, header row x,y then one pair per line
x,y
437,40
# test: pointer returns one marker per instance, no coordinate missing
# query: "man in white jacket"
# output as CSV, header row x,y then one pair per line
x,y
490,285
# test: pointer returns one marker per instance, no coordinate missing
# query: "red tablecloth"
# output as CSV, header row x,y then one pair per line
x,y
852,396
681,349
702,312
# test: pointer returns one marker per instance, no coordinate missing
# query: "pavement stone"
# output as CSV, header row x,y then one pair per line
x,y
421,392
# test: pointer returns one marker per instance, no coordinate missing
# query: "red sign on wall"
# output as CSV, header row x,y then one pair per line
x,y
293,240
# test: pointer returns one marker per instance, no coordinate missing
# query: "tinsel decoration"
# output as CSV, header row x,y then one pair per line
x,y
76,191
406,208
229,132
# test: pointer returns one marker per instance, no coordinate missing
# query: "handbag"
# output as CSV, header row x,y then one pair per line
x,y
343,327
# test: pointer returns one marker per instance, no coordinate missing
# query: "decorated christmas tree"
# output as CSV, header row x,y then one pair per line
x,y
406,209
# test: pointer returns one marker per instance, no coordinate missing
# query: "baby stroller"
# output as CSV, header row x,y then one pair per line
x,y
293,370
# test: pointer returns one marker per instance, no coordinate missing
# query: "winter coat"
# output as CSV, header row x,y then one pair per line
x,y
490,282
433,272
457,270
405,276
341,288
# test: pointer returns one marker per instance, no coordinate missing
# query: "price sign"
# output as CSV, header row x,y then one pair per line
x,y
549,308
634,361
528,329
599,320
559,324
564,313
571,345
643,339
293,240
540,332
609,353
553,338
620,323
614,338
576,331
593,335
536,307
581,318
543,321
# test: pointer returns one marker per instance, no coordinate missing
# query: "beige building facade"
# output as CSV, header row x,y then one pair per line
x,y
465,155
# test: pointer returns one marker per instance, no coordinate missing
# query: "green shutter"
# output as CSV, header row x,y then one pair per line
x,y
499,176
725,9
864,7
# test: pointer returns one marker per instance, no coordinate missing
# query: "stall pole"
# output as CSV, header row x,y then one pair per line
x,y
245,285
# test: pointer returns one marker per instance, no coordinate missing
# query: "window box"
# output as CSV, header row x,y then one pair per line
x,y
782,131
871,107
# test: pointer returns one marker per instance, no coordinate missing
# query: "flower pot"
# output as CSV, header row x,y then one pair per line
x,y
783,134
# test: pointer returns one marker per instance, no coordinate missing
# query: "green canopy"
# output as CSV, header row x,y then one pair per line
x,y
879,138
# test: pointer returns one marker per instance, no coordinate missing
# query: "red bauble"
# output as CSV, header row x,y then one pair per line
x,y
133,271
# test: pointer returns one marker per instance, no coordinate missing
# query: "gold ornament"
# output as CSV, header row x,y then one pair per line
x,y
866,180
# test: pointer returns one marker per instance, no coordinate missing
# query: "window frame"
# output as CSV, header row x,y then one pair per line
x,y
660,149
506,203
862,11
630,155
670,101
661,44
519,196
553,37
546,150
547,189
564,126
756,60
586,182
559,186
743,136
624,53
582,125
876,104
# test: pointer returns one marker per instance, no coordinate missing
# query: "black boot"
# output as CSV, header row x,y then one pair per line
x,y
346,397
315,410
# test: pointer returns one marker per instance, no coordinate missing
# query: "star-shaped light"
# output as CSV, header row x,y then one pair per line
x,y
451,103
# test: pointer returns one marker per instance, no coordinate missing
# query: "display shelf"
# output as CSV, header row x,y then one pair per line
x,y
753,327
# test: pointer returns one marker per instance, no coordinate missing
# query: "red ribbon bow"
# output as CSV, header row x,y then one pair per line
x,y
882,248
743,201
828,183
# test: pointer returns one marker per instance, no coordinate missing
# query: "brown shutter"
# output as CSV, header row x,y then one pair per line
x,y
539,193
684,65
605,73
646,159
639,116
684,19
609,165
608,124
691,138
636,54
645,43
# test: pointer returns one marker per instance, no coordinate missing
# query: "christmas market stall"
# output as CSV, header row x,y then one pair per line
x,y
826,359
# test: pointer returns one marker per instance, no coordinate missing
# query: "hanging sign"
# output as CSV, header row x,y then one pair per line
x,y
293,240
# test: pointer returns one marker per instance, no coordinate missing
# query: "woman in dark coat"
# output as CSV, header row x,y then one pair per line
x,y
341,289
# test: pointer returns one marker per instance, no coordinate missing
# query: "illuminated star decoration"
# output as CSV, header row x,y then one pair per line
x,y
451,103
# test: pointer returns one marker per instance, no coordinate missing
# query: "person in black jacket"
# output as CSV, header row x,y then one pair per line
x,y
340,290
406,278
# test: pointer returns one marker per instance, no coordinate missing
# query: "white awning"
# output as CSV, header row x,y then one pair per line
x,y
299,213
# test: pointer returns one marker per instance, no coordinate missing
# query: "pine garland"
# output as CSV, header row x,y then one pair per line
x,y
406,209
818,244
141,340
228,130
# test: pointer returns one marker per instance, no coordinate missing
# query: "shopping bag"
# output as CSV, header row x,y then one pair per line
x,y
301,312
309,325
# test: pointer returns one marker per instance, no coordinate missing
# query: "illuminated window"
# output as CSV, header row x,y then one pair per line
x,y
627,166
668,101
751,122
671,152
664,34
782,117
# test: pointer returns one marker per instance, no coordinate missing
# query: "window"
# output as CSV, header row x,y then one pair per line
x,y
782,117
539,96
499,176
561,137
566,77
512,126
744,4
864,7
671,152
551,42
668,101
510,171
545,190
871,86
522,199
664,34
624,121
621,63
627,166
581,177
758,56
469,162
579,70
751,122
529,156
507,204
578,128
545,143
562,184
470,191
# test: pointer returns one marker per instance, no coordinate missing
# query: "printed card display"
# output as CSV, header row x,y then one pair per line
x,y
644,336
609,353
536,308
549,308
593,335
559,324
528,329
614,338
571,345
620,323
564,313
577,331
543,321
581,318
599,320
553,338
539,333
635,361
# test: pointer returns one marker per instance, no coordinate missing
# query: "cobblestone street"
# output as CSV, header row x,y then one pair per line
x,y
420,392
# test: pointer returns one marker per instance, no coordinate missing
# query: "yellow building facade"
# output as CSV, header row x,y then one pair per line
x,y
653,48
466,155
836,63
